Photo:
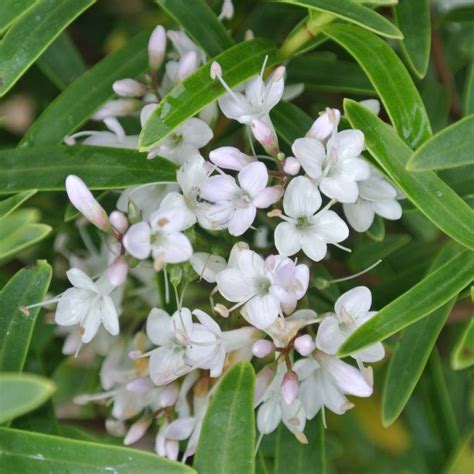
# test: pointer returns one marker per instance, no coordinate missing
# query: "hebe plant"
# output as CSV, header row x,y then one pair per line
x,y
279,231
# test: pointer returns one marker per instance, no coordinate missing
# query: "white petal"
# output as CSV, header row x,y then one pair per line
x,y
176,248
137,240
241,220
80,280
253,178
73,306
229,157
329,337
337,188
372,353
181,428
376,189
274,92
255,91
268,196
219,188
207,321
330,227
302,198
166,365
91,323
109,316
348,144
287,239
233,285
196,132
389,209
354,169
310,153
239,110
347,377
313,246
356,303
262,311
311,397
159,327
207,266
359,214
268,417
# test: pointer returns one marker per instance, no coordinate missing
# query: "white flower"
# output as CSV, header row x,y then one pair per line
x,y
325,125
235,205
352,310
336,167
162,237
376,196
324,383
305,229
88,304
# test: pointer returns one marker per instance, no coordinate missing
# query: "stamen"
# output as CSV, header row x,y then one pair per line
x,y
356,275
342,248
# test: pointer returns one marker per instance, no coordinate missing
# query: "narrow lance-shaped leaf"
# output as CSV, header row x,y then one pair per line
x,y
86,94
22,393
413,19
11,11
463,352
239,63
390,79
46,167
35,452
425,189
201,24
468,99
429,294
353,13
450,148
7,206
28,286
290,121
32,34
227,440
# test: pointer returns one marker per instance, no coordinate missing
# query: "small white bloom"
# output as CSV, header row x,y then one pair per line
x,y
305,229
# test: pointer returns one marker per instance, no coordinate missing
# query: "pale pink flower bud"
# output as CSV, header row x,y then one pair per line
x,y
262,348
216,70
304,345
227,11
291,166
119,221
249,35
230,158
129,88
117,272
290,387
172,449
137,430
279,73
325,124
157,47
187,65
169,395
139,385
266,136
83,200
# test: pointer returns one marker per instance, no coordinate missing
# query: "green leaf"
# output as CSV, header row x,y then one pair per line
x,y
239,63
19,231
390,79
27,287
412,352
462,356
12,10
463,458
429,294
460,14
7,206
353,13
293,457
22,393
469,91
290,121
377,230
86,94
62,62
426,190
201,24
450,148
46,167
413,19
32,34
227,440
322,73
23,451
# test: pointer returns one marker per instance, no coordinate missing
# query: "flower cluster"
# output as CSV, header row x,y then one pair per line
x,y
174,299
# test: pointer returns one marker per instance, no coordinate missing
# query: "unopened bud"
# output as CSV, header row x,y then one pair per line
x,y
373,105
230,158
134,213
83,200
186,66
117,272
279,73
216,70
290,387
157,47
262,348
266,136
137,430
139,385
119,221
129,88
249,35
304,345
325,124
227,11
169,395
275,213
117,108
221,310
176,275
292,166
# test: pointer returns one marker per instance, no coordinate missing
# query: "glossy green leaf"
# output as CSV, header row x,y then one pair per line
x,y
32,34
450,148
22,393
429,294
469,91
7,206
320,72
23,451
86,94
293,457
390,79
413,19
26,287
463,458
227,441
290,121
412,352
239,63
46,167
462,356
426,190
62,62
353,13
12,10
201,24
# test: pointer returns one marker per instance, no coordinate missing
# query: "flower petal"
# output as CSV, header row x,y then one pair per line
x,y
262,311
287,239
329,337
310,153
219,188
302,198
233,285
80,280
359,214
137,240
268,196
330,227
389,209
253,178
159,327
313,246
241,220
356,303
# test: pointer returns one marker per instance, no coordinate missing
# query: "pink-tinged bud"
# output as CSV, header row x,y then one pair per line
x,y
230,158
83,200
129,88
292,166
119,221
304,345
290,387
216,70
117,272
137,430
227,11
249,35
187,65
266,136
117,108
325,124
172,449
262,348
139,385
157,48
279,73
169,395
